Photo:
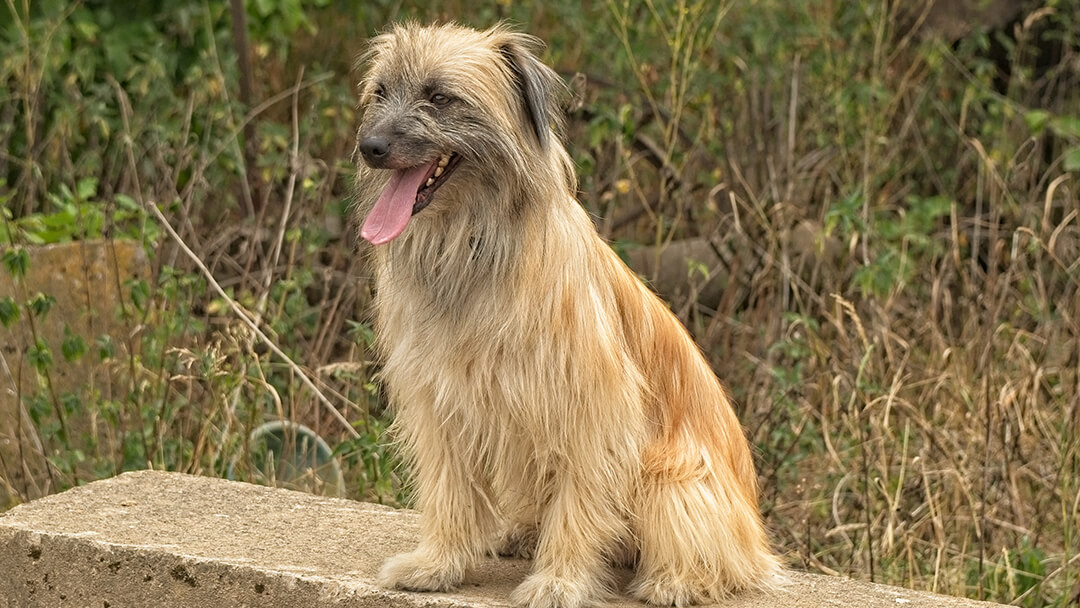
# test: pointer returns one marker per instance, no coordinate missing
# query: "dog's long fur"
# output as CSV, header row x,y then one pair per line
x,y
549,402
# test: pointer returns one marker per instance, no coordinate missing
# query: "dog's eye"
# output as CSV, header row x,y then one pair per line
x,y
379,92
439,99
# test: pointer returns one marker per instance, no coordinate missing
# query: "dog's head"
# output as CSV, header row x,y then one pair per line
x,y
445,108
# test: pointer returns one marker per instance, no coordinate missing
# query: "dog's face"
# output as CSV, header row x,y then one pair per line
x,y
446,107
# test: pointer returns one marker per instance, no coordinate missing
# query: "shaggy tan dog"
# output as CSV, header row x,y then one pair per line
x,y
551,405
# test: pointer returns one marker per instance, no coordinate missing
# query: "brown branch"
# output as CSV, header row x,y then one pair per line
x,y
240,41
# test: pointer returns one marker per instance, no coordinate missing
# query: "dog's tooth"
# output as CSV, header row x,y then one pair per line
x,y
438,171
430,181
443,161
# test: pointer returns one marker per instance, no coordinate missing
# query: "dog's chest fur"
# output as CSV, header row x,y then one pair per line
x,y
493,326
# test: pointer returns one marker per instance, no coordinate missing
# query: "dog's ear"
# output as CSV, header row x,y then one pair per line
x,y
539,87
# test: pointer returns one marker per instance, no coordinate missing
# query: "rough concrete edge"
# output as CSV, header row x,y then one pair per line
x,y
154,575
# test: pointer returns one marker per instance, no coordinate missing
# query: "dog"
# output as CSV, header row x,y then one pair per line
x,y
549,404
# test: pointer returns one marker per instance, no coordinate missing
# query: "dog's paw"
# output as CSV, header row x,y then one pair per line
x,y
519,540
666,593
541,591
417,571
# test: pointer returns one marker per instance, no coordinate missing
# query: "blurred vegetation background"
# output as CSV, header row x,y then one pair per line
x,y
866,213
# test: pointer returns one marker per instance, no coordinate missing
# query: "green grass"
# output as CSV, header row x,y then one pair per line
x,y
896,220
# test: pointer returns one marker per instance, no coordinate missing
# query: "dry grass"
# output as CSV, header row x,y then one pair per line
x,y
901,318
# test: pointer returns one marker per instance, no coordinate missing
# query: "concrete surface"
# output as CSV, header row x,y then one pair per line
x,y
167,540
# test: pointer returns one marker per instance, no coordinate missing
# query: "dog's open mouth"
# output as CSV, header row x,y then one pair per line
x,y
439,174
406,194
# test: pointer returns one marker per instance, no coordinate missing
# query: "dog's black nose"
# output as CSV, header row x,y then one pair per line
x,y
374,148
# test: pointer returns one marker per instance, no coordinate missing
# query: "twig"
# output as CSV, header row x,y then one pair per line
x,y
290,189
985,481
240,41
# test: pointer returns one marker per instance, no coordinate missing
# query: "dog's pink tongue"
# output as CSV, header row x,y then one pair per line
x,y
394,208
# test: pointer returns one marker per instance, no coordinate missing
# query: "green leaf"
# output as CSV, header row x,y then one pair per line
x,y
41,304
73,346
1071,160
106,348
39,356
70,402
361,333
263,7
1036,120
9,311
86,188
1066,126
126,202
17,261
39,408
64,198
87,29
140,294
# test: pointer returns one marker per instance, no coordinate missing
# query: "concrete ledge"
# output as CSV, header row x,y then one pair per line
x,y
169,540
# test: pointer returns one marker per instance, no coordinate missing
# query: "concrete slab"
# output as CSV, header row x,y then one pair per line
x,y
169,540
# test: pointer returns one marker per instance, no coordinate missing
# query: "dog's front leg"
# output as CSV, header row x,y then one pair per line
x,y
456,520
577,529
